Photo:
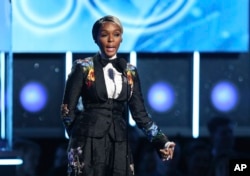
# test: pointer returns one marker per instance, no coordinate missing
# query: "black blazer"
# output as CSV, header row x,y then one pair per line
x,y
86,80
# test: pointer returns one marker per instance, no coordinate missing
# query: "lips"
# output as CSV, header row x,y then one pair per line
x,y
110,49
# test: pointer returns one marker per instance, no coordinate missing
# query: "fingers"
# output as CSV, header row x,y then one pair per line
x,y
171,145
166,155
171,149
171,153
168,152
164,151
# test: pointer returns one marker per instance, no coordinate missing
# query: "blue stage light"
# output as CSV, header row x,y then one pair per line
x,y
161,97
224,96
33,96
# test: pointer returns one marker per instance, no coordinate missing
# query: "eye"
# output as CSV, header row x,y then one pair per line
x,y
117,34
103,35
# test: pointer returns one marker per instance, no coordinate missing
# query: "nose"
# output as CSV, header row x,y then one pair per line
x,y
110,38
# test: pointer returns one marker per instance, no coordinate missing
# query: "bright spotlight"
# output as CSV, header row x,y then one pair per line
x,y
224,96
33,96
161,97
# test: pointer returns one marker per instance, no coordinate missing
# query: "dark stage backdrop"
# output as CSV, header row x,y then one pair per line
x,y
38,88
224,89
166,81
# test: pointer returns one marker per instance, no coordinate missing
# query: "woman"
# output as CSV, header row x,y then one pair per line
x,y
106,85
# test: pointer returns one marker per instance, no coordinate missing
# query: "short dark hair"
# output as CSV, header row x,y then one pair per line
x,y
97,25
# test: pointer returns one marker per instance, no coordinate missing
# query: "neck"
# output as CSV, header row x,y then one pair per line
x,y
108,58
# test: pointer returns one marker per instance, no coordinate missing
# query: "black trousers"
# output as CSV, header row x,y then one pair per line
x,y
99,157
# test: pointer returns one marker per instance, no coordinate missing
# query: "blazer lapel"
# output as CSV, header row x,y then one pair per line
x,y
100,85
125,89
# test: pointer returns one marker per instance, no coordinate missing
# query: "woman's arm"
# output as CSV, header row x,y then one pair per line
x,y
141,116
165,148
71,95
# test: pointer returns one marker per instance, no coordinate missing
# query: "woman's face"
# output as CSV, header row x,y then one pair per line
x,y
109,39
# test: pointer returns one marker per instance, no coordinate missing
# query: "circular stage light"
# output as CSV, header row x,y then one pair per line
x,y
224,96
161,97
33,97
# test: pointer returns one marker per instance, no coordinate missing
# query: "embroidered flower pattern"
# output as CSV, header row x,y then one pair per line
x,y
90,77
76,163
88,67
130,72
64,110
153,132
65,115
129,76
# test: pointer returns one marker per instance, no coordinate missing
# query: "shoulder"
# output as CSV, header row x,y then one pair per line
x,y
131,67
83,64
131,70
86,62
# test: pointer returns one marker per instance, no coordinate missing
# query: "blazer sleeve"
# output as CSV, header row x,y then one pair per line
x,y
71,95
141,116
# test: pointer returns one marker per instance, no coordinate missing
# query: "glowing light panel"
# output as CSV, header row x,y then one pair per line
x,y
11,161
224,96
33,96
161,97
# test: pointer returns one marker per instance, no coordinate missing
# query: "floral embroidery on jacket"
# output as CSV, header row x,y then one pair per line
x,y
90,77
130,72
153,132
88,66
65,115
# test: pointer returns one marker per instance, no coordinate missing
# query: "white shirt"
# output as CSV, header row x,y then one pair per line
x,y
113,81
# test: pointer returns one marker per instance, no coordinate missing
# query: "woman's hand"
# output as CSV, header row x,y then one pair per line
x,y
168,152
